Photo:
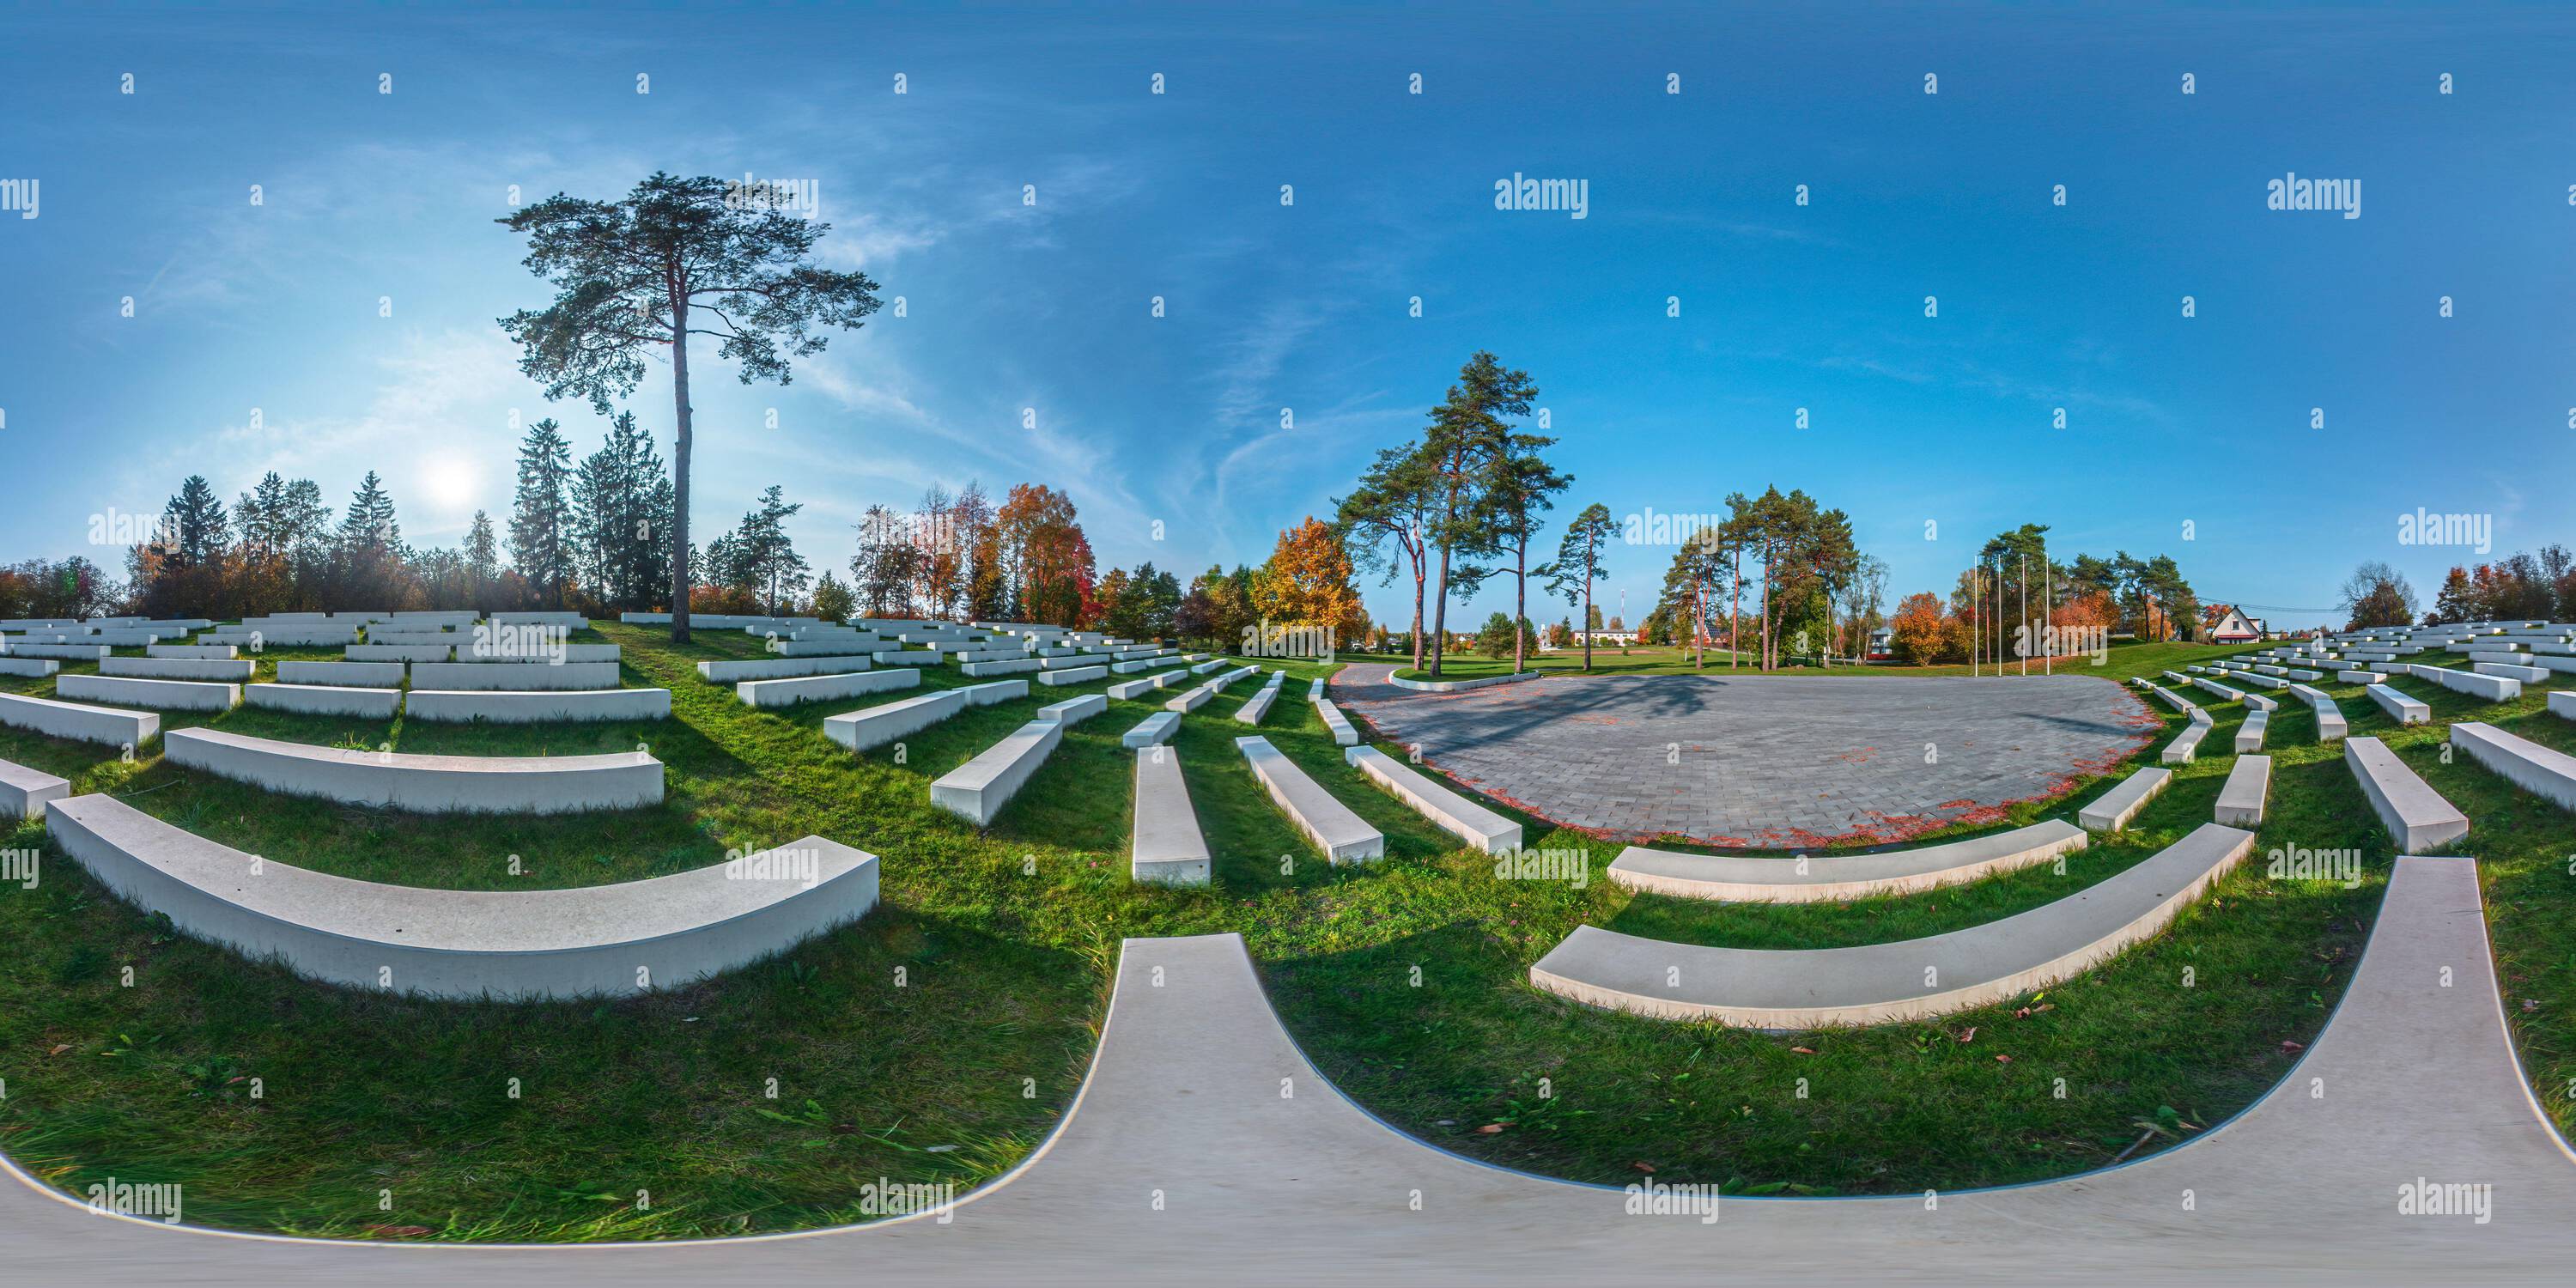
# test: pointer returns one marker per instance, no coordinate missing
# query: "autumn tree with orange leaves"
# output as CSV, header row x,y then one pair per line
x,y
1308,583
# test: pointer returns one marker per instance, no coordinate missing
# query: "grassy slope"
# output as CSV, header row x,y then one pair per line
x,y
1006,966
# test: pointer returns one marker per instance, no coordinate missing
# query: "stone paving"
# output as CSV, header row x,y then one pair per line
x,y
1779,762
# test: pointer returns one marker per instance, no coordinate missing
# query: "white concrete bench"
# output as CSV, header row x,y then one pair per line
x,y
1315,689
2494,688
2417,817
1074,675
174,668
905,657
977,790
2187,743
201,652
1344,735
422,784
512,677
1899,982
1073,711
2526,674
1125,690
781,668
2359,677
449,706
1016,666
2330,721
1342,835
2249,735
324,700
1482,829
610,940
60,652
1207,666
1190,700
80,722
819,688
2563,704
1256,706
1167,846
2273,670
2120,804
2400,708
1131,667
1833,878
365,675
538,655
2247,791
30,667
398,652
2297,674
158,695
24,792
2544,772
2219,691
1151,731
2260,681
876,726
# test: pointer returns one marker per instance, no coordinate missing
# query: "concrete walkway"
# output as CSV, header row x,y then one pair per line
x,y
1779,762
1204,1149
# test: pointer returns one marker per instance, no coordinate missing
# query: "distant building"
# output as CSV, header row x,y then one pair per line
x,y
2228,625
1600,638
1882,646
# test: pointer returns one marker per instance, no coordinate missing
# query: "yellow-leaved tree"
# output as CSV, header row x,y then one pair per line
x,y
1308,583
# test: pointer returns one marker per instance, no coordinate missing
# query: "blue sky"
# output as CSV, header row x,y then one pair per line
x,y
2205,421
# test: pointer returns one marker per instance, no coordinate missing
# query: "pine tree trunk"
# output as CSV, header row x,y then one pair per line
x,y
1520,601
1587,619
680,468
1417,607
1440,614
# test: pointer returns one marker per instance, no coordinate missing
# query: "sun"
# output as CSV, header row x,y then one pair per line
x,y
448,482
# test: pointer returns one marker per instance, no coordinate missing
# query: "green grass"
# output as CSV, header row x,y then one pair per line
x,y
1405,980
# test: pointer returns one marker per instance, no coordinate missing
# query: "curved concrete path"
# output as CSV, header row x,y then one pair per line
x,y
1780,762
1204,1147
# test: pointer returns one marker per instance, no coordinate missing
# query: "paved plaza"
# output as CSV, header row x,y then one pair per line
x,y
1778,762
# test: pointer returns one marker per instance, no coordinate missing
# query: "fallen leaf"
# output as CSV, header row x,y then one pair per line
x,y
1647,1168
1489,1129
60,1049
1802,1050
2003,1059
1969,1036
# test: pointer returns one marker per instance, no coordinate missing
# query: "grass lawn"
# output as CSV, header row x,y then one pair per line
x,y
940,1038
